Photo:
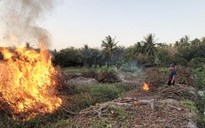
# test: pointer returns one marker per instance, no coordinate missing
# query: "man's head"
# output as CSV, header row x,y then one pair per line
x,y
172,66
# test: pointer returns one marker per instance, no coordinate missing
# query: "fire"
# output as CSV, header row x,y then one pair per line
x,y
145,87
28,82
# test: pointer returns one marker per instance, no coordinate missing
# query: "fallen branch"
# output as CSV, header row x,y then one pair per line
x,y
147,102
70,112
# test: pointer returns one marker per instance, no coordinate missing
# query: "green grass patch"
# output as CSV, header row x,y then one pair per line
x,y
63,124
190,104
164,70
106,92
78,102
200,117
75,69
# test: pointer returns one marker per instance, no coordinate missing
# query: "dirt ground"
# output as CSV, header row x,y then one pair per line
x,y
129,111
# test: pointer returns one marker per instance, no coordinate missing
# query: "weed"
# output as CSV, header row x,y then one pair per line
x,y
190,104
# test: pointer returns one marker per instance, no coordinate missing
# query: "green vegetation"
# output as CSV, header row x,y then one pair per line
x,y
105,92
183,52
107,68
200,117
199,72
191,104
75,69
109,47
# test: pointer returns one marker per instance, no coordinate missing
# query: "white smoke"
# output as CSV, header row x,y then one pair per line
x,y
20,20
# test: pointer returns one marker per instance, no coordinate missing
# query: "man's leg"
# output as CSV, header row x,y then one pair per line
x,y
169,83
173,82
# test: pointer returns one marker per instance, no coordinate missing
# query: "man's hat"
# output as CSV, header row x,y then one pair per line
x,y
172,65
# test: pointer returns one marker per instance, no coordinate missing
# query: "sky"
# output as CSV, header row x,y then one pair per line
x,y
74,23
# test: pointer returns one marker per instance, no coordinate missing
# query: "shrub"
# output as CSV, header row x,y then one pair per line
x,y
128,67
180,61
196,62
68,57
79,101
107,68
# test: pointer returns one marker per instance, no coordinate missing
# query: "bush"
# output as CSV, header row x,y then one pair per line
x,y
199,77
196,62
105,93
180,61
107,74
79,101
128,67
107,68
68,57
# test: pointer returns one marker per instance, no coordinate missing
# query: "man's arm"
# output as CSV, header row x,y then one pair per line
x,y
173,78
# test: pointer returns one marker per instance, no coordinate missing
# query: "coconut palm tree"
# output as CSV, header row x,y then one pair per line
x,y
150,45
184,42
85,53
109,46
138,48
199,47
95,56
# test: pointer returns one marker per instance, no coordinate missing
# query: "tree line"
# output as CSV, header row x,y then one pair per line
x,y
185,52
149,51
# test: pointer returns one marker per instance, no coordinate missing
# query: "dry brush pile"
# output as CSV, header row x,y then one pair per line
x,y
155,77
178,92
183,90
107,77
184,76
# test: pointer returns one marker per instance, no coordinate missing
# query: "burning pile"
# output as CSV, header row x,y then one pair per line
x,y
27,78
28,83
146,86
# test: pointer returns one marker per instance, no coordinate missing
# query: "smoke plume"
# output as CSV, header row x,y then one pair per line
x,y
20,19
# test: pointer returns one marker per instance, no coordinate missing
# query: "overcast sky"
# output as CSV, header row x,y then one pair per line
x,y
78,22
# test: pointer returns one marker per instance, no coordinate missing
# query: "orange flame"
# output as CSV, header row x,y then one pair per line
x,y
28,82
145,87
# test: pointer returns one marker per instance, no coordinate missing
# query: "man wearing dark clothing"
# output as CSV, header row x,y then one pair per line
x,y
172,75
